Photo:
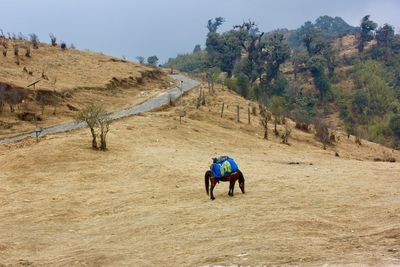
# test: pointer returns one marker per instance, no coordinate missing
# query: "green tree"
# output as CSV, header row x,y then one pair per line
x,y
223,50
140,59
252,63
213,24
197,49
193,63
278,52
316,66
394,125
385,38
366,34
152,60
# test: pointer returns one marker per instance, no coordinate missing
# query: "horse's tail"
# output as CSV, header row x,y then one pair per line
x,y
207,181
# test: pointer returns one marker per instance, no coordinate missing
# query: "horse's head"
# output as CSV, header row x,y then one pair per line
x,y
241,181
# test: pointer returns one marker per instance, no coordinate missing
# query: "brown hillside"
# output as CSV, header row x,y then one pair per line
x,y
143,202
69,80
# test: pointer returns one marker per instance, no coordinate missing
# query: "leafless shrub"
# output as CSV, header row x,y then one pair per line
x,y
44,76
63,46
29,116
16,50
104,122
387,157
72,46
322,132
53,39
302,118
21,36
98,122
264,118
13,96
332,138
16,54
28,51
34,40
286,134
253,110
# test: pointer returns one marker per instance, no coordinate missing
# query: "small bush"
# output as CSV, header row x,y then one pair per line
x,y
16,50
63,46
34,40
28,51
322,132
53,39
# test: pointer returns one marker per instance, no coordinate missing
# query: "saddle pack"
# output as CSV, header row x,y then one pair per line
x,y
222,166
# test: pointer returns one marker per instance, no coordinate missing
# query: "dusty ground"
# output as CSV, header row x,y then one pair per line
x,y
143,202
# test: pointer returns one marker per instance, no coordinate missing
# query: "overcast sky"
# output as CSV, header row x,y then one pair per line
x,y
164,28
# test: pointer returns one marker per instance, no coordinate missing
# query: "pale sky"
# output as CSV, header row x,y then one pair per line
x,y
133,28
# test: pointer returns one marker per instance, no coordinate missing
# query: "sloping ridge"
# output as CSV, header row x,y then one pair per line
x,y
161,100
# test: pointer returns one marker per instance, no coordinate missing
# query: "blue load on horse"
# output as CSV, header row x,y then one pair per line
x,y
223,165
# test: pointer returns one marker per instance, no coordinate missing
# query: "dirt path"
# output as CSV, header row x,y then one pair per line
x,y
156,102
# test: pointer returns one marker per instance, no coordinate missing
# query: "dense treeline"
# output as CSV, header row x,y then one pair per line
x,y
276,69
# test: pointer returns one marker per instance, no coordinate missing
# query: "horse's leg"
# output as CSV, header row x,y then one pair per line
x,y
233,182
213,183
231,185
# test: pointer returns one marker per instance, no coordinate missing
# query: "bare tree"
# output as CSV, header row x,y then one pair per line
x,y
210,82
264,120
53,39
98,122
14,96
286,134
322,132
34,40
104,122
16,54
28,51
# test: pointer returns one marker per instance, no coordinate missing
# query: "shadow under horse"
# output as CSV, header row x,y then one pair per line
x,y
231,178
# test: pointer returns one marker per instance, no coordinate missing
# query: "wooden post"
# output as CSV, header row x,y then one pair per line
x,y
237,113
222,109
248,109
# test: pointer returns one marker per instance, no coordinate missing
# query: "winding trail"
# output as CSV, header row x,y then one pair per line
x,y
153,103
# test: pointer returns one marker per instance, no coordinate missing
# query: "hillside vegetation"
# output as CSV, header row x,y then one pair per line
x,y
324,72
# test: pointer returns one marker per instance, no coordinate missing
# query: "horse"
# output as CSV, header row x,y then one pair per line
x,y
231,178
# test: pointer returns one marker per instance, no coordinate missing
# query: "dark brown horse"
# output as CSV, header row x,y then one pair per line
x,y
231,178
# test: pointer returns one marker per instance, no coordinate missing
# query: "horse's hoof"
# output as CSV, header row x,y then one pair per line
x,y
212,198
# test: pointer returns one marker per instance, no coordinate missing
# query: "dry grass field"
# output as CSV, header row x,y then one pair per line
x,y
143,202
